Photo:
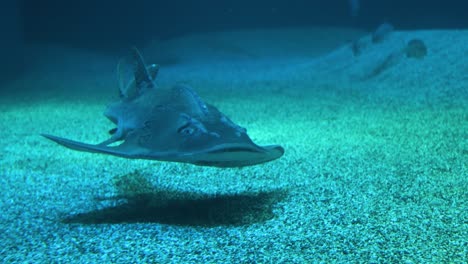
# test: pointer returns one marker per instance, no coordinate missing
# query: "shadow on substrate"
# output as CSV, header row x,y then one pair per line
x,y
205,211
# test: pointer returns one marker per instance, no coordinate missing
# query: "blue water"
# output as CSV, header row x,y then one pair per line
x,y
369,100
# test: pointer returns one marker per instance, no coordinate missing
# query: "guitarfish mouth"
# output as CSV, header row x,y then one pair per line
x,y
238,156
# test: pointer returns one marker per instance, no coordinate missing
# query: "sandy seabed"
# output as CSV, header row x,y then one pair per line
x,y
375,169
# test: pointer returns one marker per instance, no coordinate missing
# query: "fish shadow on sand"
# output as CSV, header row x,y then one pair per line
x,y
183,209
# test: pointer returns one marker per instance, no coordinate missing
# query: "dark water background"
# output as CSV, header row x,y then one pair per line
x,y
113,25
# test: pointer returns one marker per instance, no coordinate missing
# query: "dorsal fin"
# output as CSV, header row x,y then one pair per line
x,y
153,70
141,74
142,77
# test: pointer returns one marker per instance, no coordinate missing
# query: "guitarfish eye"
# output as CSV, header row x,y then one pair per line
x,y
187,130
